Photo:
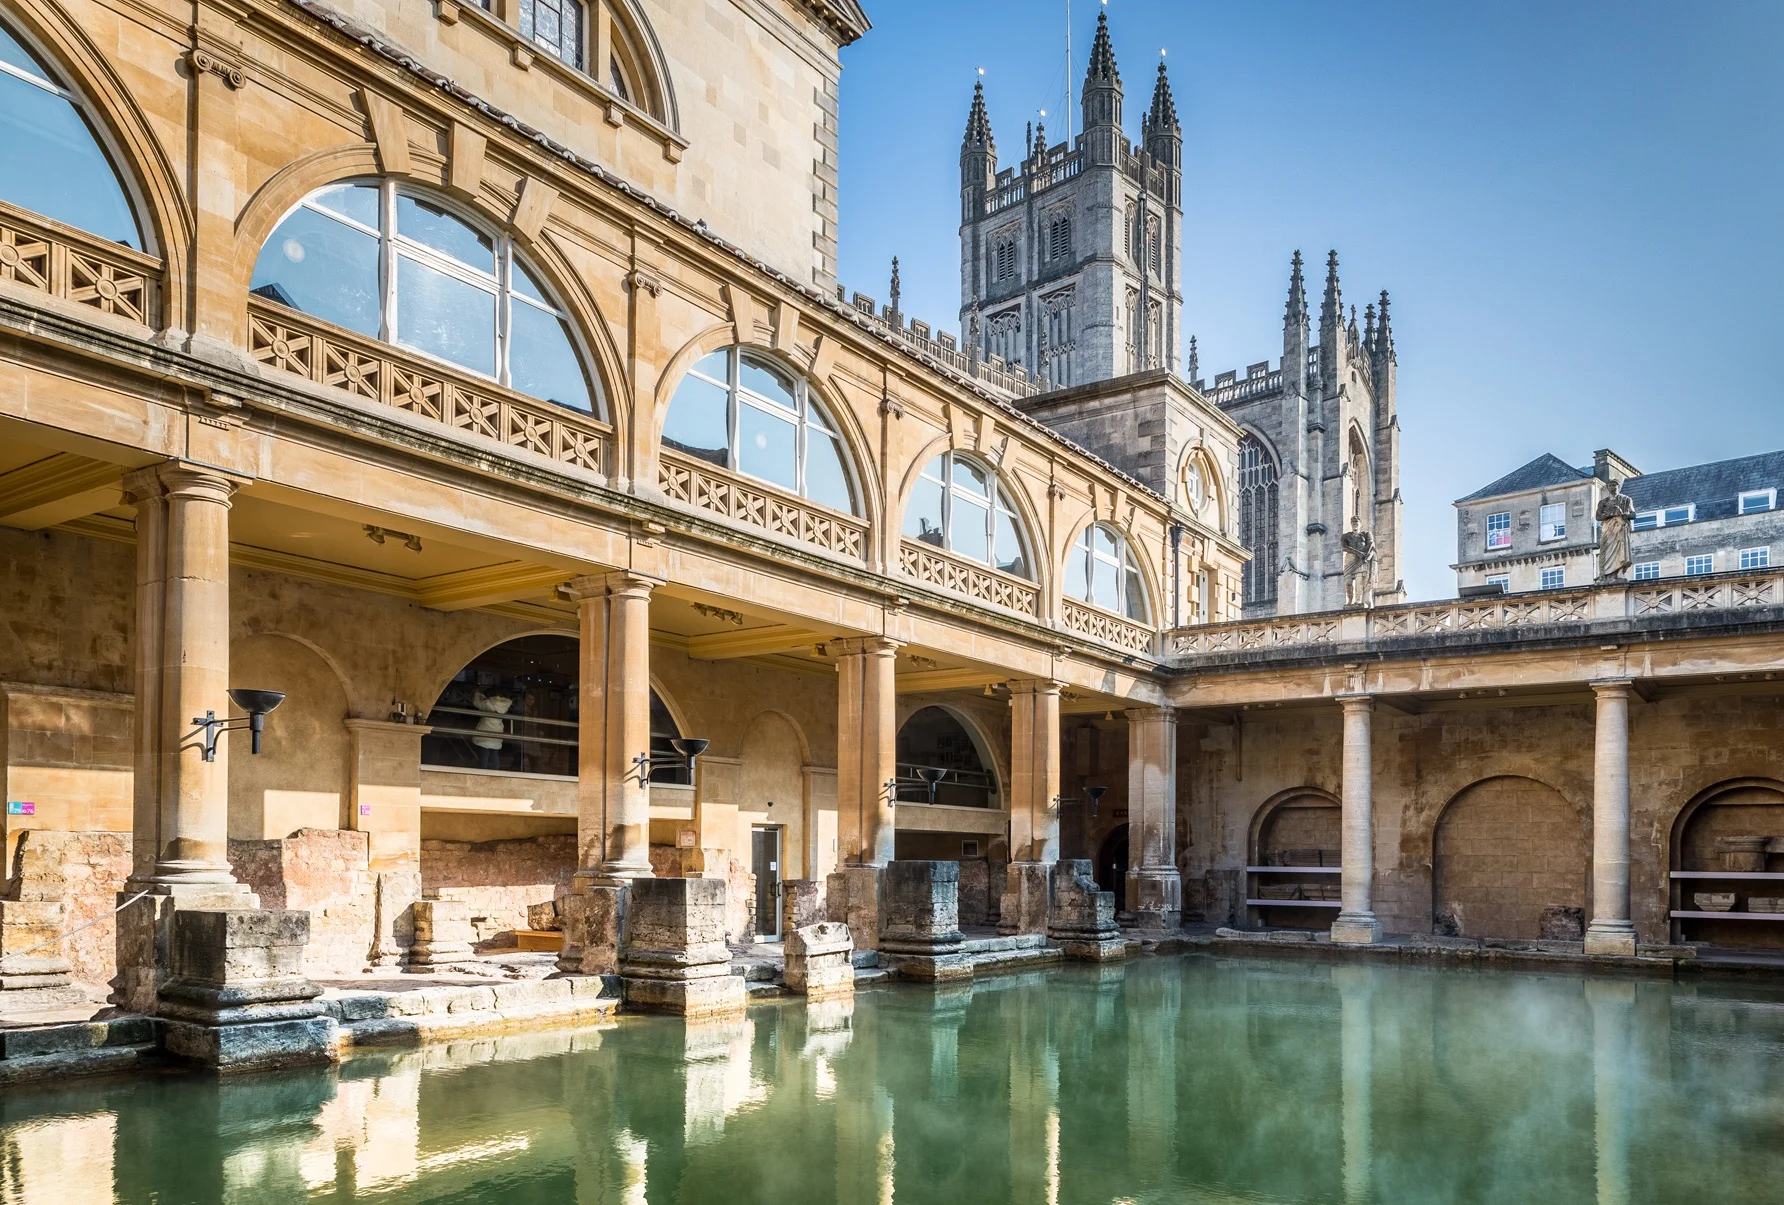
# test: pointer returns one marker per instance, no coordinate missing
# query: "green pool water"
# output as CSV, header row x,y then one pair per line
x,y
1168,1080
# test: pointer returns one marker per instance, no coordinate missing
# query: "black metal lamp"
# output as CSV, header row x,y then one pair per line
x,y
1095,795
687,748
932,777
257,703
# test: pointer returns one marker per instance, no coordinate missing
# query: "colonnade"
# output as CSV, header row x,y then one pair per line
x,y
1610,930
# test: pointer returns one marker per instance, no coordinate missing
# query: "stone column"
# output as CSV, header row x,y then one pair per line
x,y
1356,923
1034,804
867,731
1155,887
674,958
920,935
180,840
1610,931
612,791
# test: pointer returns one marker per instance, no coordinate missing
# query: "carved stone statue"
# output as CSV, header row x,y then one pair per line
x,y
1616,517
1359,565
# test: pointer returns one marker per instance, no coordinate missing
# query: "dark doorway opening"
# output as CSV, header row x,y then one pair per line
x,y
1111,866
765,844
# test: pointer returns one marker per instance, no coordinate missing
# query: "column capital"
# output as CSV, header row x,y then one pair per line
x,y
855,646
1151,715
1612,688
604,585
1034,686
1357,702
183,478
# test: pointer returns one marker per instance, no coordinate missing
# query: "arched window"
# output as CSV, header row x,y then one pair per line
x,y
1257,518
513,710
933,739
742,411
961,505
50,161
1102,571
396,265
555,25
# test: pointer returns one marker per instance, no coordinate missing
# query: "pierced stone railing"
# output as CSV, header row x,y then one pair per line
x,y
694,483
1612,604
934,567
75,266
288,341
1098,624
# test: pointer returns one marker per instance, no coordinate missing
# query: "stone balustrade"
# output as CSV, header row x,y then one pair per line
x,y
74,266
288,341
932,566
693,483
1105,626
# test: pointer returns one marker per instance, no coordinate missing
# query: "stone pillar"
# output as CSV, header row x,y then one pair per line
x,y
1034,805
1610,931
180,821
385,804
867,731
612,790
673,954
1155,886
1083,915
1356,923
920,934
819,962
238,999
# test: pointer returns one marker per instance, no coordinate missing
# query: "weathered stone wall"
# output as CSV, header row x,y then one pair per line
x,y
324,872
498,879
1506,850
85,872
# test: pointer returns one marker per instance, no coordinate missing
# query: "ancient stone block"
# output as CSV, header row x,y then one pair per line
x,y
544,917
920,930
1025,902
1563,924
1083,921
818,961
594,923
803,902
42,978
442,933
1156,899
673,956
853,897
237,1000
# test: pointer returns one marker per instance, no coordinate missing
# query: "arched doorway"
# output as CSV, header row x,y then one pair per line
x,y
1111,865
1297,831
1510,858
1733,828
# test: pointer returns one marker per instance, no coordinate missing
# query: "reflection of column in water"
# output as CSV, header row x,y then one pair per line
x,y
864,1156
65,1159
828,1031
1356,990
1152,1002
951,1002
1034,1112
376,1123
1612,1004
716,1062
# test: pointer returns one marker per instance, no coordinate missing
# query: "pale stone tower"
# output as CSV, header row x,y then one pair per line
x,y
1070,262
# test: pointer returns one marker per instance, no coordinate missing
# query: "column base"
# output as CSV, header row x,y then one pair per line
x,y
1356,929
1610,937
145,928
1083,924
853,896
1026,903
673,958
1155,898
37,981
714,996
594,928
819,962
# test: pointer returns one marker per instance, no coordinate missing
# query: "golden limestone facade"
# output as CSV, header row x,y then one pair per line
x,y
477,378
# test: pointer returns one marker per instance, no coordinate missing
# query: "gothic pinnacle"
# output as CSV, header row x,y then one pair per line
x,y
1195,361
895,283
1102,55
1040,138
1331,310
1162,117
978,122
1369,325
1384,335
1297,294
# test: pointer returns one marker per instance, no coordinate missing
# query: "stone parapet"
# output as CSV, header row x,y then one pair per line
x,y
1083,922
238,999
920,931
673,956
819,962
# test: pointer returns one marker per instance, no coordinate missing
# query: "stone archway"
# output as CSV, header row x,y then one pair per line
x,y
1511,857
1736,826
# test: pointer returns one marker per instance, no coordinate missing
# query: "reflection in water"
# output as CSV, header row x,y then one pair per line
x,y
1187,1079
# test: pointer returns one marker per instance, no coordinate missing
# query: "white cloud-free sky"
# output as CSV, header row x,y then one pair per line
x,y
1576,206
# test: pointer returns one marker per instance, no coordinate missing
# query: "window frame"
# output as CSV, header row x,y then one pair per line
x,y
1492,530
1548,532
526,12
996,502
739,395
1665,516
1700,565
1121,563
394,246
1559,576
1756,558
1645,571
1769,495
1502,579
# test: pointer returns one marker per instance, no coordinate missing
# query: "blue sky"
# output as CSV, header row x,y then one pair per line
x,y
1576,206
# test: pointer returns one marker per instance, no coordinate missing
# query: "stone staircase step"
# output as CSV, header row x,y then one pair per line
x,y
76,1036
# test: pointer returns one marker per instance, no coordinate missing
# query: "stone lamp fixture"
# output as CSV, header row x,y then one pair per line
x,y
932,778
257,703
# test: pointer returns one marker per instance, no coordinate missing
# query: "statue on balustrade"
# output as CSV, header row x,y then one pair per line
x,y
1359,565
1616,518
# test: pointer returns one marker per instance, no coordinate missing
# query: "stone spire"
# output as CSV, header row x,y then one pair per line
x,y
1102,99
897,315
978,124
1369,326
1161,118
1195,361
1383,346
1331,310
978,158
1296,312
1351,330
1163,136
1039,146
1102,68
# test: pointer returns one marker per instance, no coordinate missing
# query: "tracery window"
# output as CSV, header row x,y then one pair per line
x,y
50,161
1102,571
1003,336
1257,518
394,265
742,411
1003,259
1059,237
961,505
556,25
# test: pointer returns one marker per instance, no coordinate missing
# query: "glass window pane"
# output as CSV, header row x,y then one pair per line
x,y
768,382
1104,542
970,477
696,423
542,359
15,55
1077,576
322,267
522,282
766,446
923,513
968,534
825,481
717,366
814,414
1008,552
434,227
446,317
1105,584
51,164
1134,606
936,469
356,201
